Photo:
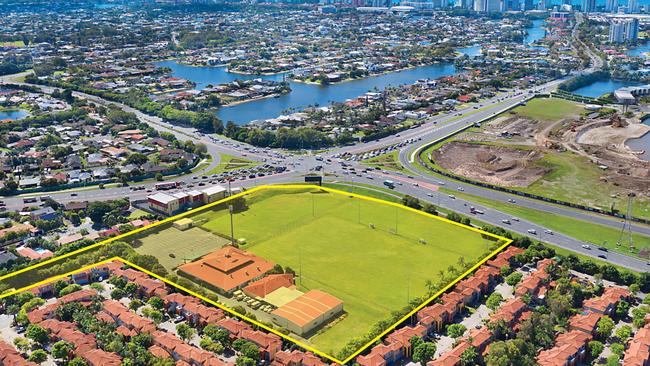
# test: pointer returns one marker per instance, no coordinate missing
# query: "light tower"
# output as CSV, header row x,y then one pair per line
x,y
626,230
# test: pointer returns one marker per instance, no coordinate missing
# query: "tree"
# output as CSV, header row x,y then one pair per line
x,y
136,159
156,302
624,332
613,360
538,330
70,289
494,300
117,294
22,344
159,177
77,361
209,345
617,349
510,353
604,327
456,330
217,334
61,350
37,333
245,361
595,349
131,288
622,308
469,357
38,356
514,278
410,201
424,352
185,331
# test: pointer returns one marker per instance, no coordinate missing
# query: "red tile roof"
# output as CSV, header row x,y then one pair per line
x,y
268,284
228,268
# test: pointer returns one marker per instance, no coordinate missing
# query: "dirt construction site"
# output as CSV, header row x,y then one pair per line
x,y
515,150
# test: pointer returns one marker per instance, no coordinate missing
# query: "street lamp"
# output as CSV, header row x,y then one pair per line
x,y
232,226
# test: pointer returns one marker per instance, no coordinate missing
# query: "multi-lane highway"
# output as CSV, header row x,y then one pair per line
x,y
418,185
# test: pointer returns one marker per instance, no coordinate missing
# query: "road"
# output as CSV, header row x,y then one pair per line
x,y
433,129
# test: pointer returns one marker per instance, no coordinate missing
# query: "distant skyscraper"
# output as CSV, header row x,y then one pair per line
x,y
588,6
527,5
611,5
624,30
633,6
631,30
616,32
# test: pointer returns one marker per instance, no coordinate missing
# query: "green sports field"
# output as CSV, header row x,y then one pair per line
x,y
372,256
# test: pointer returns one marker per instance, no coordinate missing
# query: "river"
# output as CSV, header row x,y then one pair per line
x,y
303,95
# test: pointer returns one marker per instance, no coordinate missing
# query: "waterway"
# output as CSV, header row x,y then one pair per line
x,y
13,114
303,95
598,88
640,50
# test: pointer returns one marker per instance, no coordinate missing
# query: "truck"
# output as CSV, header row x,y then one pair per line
x,y
389,183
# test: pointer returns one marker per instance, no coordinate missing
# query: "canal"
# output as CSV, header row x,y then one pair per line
x,y
303,95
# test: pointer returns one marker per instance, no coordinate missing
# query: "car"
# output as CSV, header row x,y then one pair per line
x,y
514,219
511,200
441,183
603,249
73,195
603,256
416,185
452,196
549,232
430,194
532,231
586,246
506,221
178,319
461,189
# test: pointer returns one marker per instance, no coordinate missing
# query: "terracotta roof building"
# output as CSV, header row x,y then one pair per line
x,y
638,351
227,269
307,312
268,284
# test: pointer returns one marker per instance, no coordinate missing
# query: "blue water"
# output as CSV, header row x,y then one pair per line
x,y
641,144
536,32
13,114
470,51
640,50
303,95
599,88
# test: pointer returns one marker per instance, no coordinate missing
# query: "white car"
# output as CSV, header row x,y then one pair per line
x,y
532,231
549,232
586,246
452,196
429,194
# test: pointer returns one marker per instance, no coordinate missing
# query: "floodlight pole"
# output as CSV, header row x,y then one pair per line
x,y
396,210
232,226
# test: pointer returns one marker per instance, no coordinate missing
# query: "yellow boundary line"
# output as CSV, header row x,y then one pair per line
x,y
242,316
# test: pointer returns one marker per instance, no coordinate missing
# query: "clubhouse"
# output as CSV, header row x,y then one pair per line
x,y
227,269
